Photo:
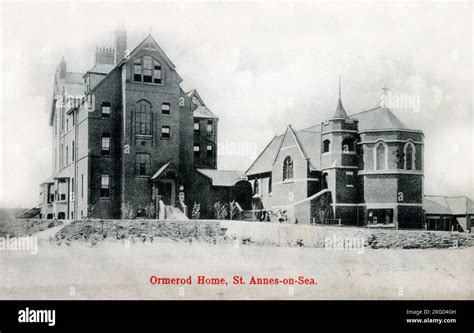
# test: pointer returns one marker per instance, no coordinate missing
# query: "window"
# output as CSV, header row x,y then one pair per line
x,y
326,146
196,127
380,153
146,69
106,109
347,145
196,150
270,185
256,187
67,155
142,164
73,151
105,186
82,186
287,168
409,152
209,126
165,108
105,147
67,125
349,179
143,118
165,132
210,150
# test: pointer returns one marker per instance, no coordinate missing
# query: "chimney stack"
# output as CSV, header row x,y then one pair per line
x,y
120,44
62,69
104,55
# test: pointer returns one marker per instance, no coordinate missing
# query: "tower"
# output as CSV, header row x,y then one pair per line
x,y
339,161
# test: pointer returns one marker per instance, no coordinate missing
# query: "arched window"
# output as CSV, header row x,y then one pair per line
x,y
380,156
326,146
287,168
409,151
143,118
147,69
347,145
256,187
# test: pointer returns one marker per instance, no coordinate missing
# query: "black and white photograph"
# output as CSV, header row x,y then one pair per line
x,y
236,151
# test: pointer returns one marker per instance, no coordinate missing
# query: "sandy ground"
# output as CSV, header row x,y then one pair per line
x,y
112,270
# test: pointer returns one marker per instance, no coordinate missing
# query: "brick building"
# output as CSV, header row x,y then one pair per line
x,y
364,169
127,139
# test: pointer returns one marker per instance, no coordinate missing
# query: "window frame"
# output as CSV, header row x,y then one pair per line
x,y
209,152
105,152
166,112
198,129
326,146
143,118
105,188
385,157
411,145
196,152
142,165
288,168
211,124
164,134
153,69
106,106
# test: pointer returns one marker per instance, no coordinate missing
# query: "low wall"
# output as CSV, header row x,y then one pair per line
x,y
141,230
315,236
258,233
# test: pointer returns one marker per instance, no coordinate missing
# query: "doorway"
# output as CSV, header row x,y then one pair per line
x,y
167,191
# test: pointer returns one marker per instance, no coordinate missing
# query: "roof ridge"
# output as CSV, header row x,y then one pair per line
x,y
375,108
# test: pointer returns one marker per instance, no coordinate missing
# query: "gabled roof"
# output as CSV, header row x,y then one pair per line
x,y
308,138
101,69
149,40
446,205
378,119
203,112
72,84
167,167
222,177
194,93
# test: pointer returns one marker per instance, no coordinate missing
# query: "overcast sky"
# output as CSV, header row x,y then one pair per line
x,y
259,67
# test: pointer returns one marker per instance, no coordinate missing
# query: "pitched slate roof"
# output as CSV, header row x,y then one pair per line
x,y
202,111
101,69
72,85
377,119
310,138
221,177
445,205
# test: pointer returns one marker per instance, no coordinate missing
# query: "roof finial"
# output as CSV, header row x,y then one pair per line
x,y
340,112
339,86
385,89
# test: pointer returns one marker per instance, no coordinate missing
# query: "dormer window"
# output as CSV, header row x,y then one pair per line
x,y
147,69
